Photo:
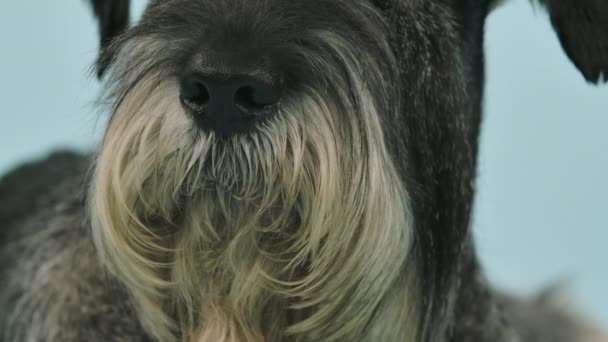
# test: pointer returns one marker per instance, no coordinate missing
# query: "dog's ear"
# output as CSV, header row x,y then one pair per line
x,y
582,27
113,17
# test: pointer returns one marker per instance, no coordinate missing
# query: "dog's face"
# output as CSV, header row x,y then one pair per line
x,y
271,166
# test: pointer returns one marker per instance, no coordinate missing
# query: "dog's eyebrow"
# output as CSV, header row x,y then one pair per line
x,y
582,28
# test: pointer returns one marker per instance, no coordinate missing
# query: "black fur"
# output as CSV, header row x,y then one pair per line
x,y
582,27
113,18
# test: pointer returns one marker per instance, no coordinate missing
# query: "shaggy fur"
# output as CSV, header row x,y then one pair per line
x,y
342,216
306,213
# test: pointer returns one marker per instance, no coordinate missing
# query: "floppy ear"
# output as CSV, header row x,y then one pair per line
x,y
113,17
582,27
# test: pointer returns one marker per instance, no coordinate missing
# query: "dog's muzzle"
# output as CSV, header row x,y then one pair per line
x,y
228,92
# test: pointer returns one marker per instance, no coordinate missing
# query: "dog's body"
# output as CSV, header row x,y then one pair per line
x,y
60,292
275,171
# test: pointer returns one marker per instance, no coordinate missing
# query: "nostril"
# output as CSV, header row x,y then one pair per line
x,y
194,93
244,98
255,99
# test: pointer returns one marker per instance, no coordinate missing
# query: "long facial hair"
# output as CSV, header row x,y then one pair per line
x,y
300,229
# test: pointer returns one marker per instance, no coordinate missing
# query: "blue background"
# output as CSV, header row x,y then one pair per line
x,y
541,204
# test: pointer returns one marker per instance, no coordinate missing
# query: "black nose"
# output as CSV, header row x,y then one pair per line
x,y
229,93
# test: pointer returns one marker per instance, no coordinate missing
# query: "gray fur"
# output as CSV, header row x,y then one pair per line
x,y
54,287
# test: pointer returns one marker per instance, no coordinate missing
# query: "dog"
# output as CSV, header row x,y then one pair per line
x,y
276,171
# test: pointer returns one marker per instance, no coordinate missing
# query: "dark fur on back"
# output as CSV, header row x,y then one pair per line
x,y
69,297
59,291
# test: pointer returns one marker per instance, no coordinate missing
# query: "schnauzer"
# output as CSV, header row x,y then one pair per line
x,y
276,170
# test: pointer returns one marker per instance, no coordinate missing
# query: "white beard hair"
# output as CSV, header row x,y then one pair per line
x,y
300,228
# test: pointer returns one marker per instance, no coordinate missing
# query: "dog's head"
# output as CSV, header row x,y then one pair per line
x,y
300,168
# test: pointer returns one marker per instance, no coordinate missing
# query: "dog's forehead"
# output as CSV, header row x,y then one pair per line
x,y
423,33
289,20
335,9
262,22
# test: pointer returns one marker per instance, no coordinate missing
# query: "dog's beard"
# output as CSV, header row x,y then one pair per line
x,y
300,227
